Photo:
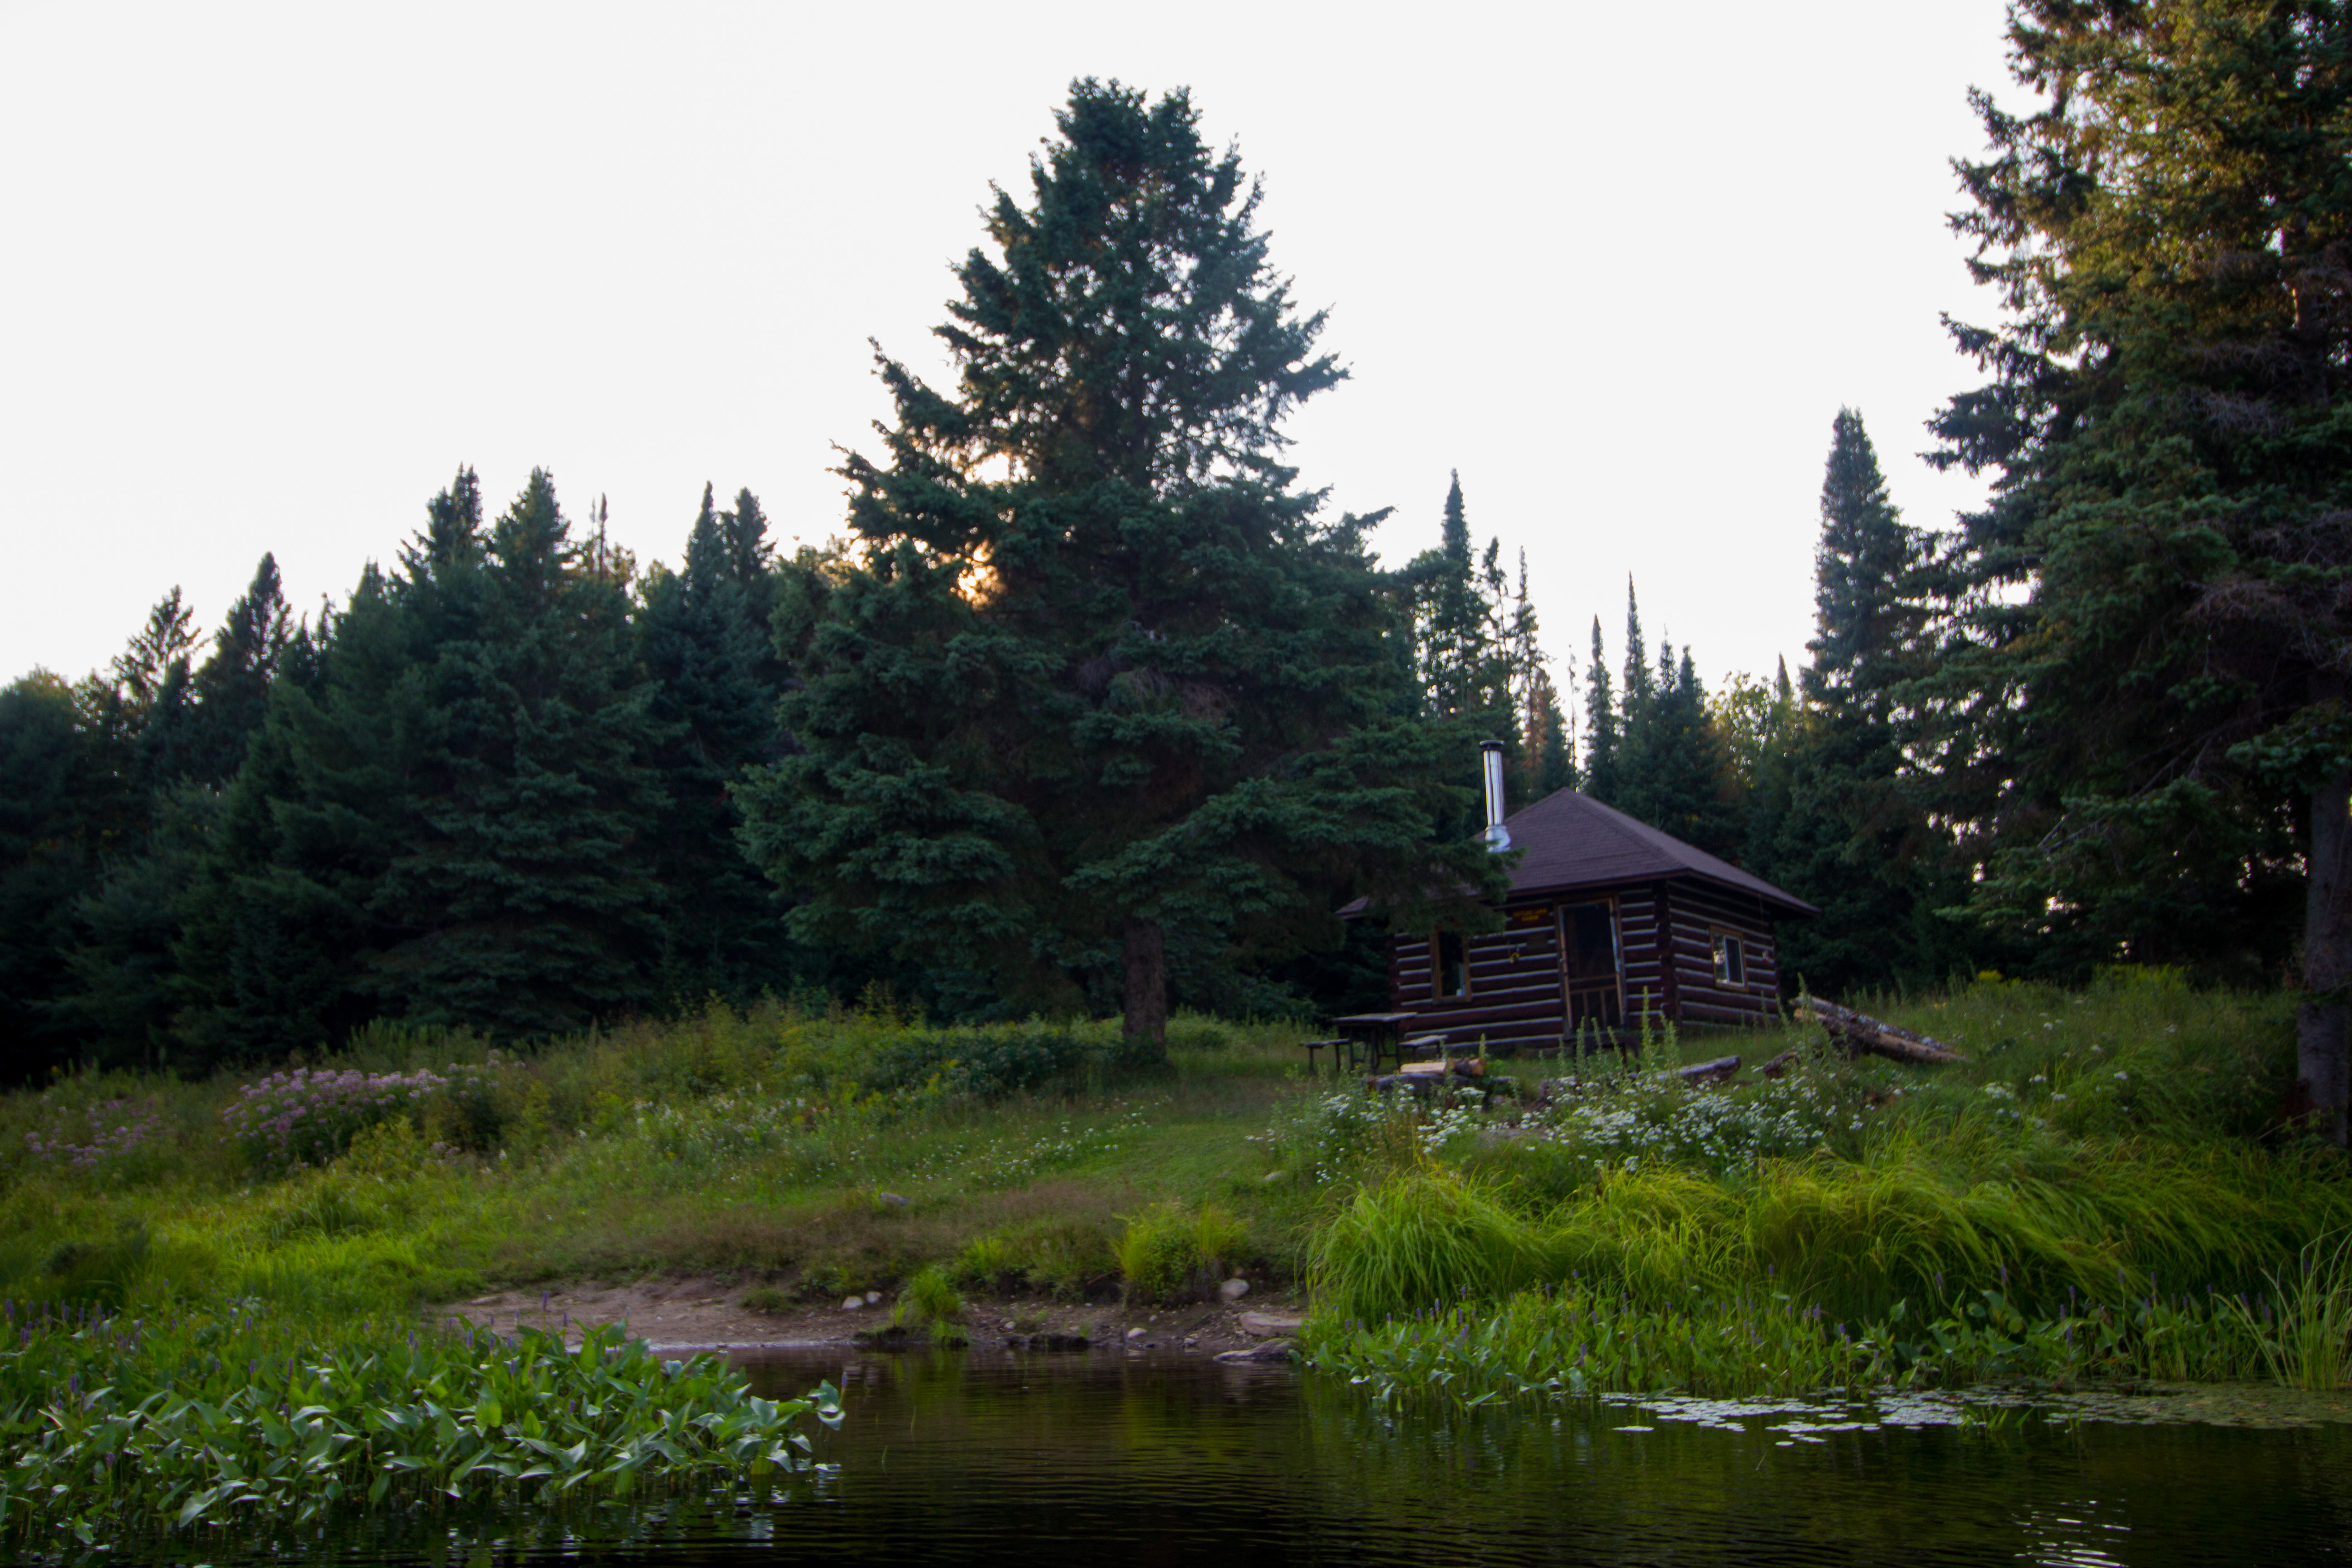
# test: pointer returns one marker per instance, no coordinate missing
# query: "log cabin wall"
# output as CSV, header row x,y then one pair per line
x,y
1515,991
1701,911
1516,999
1637,930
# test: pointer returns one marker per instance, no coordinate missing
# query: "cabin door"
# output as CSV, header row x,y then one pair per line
x,y
1592,964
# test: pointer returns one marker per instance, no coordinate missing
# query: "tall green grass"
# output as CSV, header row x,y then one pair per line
x,y
1580,1340
1910,1221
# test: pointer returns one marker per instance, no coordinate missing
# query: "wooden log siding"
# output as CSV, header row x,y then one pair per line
x,y
1700,909
1516,1000
1637,930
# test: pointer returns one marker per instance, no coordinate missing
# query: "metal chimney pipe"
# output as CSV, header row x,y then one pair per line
x,y
1497,836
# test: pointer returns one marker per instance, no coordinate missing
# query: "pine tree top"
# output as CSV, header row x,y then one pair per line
x,y
1127,327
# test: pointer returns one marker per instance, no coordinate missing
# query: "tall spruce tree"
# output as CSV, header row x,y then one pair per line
x,y
2157,727
1673,771
1102,696
524,890
706,644
1640,684
1600,725
45,857
1552,749
1835,819
456,826
230,691
1466,663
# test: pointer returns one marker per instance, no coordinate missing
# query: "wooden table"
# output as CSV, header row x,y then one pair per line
x,y
1377,1033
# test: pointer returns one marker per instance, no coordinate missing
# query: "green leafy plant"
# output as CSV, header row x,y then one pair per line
x,y
107,1424
928,1297
1171,1254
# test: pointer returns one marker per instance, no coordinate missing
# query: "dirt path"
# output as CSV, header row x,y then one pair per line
x,y
706,1312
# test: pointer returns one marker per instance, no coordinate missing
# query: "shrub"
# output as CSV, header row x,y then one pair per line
x,y
980,1063
109,1137
112,1272
929,1296
990,1263
308,1116
1167,1255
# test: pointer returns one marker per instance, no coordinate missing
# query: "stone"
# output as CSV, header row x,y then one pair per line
x,y
1279,1350
893,1199
1234,1289
1134,1334
855,1303
1265,1326
1273,1176
874,1298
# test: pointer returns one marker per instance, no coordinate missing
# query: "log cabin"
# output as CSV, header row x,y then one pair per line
x,y
1606,917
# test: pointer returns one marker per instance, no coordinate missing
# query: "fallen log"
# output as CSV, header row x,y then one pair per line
x,y
1719,1071
1860,1033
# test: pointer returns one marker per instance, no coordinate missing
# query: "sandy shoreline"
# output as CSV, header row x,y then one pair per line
x,y
704,1313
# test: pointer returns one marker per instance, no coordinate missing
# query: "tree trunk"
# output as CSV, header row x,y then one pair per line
x,y
1143,957
2322,1041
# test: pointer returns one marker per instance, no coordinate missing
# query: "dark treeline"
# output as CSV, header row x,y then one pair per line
x,y
1095,709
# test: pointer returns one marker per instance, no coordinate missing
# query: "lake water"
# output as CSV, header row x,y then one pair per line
x,y
1105,1457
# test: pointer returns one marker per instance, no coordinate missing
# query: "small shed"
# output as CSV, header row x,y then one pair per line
x,y
1606,918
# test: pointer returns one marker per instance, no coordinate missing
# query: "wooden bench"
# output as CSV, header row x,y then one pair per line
x,y
1311,1046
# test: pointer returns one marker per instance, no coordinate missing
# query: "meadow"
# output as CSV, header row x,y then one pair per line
x,y
2098,1193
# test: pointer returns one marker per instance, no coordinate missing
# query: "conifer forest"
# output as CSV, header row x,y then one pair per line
x,y
1093,708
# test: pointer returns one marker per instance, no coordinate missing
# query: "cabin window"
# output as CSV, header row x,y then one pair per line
x,y
1530,932
1730,961
1451,969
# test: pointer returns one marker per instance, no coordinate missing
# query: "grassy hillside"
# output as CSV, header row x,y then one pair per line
x,y
2099,1150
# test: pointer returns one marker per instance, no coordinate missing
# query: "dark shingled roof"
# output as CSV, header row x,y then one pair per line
x,y
1571,840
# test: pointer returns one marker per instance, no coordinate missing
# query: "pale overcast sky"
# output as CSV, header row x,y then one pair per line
x,y
272,274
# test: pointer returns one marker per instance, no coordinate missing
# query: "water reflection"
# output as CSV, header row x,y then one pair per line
x,y
1050,1459
1044,1460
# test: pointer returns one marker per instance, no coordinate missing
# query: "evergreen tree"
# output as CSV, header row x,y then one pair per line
x,y
1834,818
1101,698
524,888
140,670
123,949
231,689
1547,751
1601,727
45,858
1673,771
1552,749
706,646
1466,666
457,825
2144,714
1640,684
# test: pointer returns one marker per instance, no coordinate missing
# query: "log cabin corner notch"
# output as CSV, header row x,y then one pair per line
x,y
1605,915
